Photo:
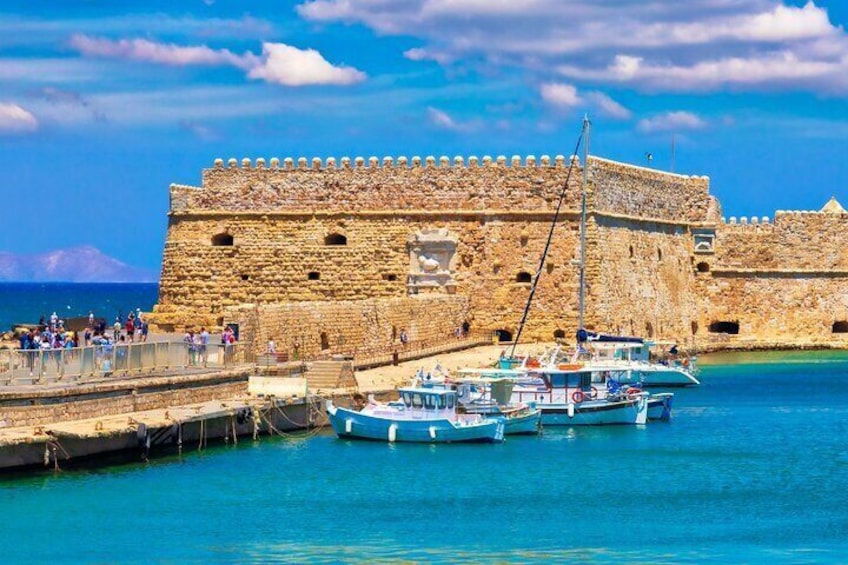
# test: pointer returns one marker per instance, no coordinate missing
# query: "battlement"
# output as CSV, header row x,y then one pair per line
x,y
400,162
519,184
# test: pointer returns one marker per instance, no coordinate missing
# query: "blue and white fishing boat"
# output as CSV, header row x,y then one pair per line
x,y
425,415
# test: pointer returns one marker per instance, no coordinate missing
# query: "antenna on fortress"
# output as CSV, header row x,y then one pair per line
x,y
672,152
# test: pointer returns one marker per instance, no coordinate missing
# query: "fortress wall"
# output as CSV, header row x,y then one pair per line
x,y
624,189
794,240
276,254
641,280
774,309
364,327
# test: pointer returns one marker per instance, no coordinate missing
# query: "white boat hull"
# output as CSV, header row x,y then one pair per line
x,y
355,425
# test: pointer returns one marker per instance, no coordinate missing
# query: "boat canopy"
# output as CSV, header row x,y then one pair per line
x,y
585,335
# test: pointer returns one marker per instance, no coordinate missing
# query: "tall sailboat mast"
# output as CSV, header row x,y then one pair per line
x,y
583,133
582,296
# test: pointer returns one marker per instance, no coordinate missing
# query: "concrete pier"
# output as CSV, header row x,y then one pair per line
x,y
50,426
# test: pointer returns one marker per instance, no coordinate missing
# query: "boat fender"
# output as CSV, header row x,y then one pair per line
x,y
577,396
348,425
392,433
432,432
570,410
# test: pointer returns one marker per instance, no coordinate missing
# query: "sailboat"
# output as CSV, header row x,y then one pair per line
x,y
570,394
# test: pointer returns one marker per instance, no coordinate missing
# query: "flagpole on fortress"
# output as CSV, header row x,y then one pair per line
x,y
581,302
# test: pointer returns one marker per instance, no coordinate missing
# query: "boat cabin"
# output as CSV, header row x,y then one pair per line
x,y
428,398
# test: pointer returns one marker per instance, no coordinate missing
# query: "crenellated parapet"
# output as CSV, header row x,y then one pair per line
x,y
793,239
467,183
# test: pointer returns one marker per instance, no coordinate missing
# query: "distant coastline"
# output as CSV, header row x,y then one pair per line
x,y
83,264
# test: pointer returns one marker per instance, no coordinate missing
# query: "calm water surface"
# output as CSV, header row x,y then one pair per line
x,y
753,469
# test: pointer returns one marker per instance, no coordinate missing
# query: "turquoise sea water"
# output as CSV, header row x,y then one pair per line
x,y
26,302
752,469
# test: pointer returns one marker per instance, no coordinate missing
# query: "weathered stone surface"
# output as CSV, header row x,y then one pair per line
x,y
296,242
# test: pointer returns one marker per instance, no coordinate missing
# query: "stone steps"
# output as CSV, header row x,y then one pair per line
x,y
325,375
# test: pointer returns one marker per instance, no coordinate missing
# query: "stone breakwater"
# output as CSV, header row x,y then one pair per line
x,y
368,243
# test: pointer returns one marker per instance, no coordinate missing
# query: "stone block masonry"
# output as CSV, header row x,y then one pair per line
x,y
273,244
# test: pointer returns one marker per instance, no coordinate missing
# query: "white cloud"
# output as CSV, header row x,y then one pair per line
x,y
278,64
608,107
290,66
566,96
665,46
14,119
671,121
161,53
441,119
562,95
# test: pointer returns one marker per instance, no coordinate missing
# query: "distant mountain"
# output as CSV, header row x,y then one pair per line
x,y
75,264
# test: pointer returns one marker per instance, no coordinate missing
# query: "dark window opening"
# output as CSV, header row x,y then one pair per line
x,y
724,328
703,267
504,335
649,329
659,254
394,333
325,341
840,327
222,239
335,239
694,327
389,277
245,277
313,276
550,268
559,334
523,277
631,252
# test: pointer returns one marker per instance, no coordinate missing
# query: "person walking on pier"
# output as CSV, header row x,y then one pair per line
x,y
204,345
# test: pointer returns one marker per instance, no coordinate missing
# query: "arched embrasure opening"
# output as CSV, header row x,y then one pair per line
x,y
523,277
222,239
325,341
335,239
703,267
840,327
724,328
504,335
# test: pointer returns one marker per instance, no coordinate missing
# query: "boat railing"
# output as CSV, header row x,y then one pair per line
x,y
109,361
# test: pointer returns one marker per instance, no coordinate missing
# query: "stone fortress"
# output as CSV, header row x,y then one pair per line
x,y
340,257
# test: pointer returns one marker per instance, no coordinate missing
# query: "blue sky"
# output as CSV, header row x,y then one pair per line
x,y
104,104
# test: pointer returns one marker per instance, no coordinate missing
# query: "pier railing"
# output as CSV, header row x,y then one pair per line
x,y
45,366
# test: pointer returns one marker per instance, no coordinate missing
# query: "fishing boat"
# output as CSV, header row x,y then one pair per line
x,y
491,397
424,415
572,395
